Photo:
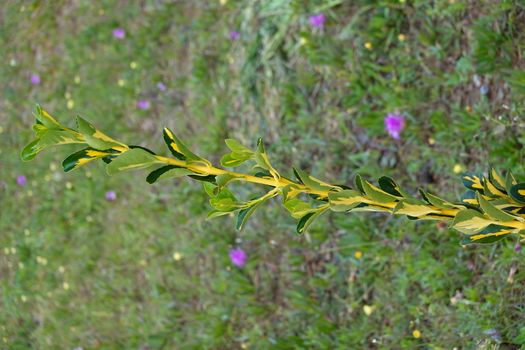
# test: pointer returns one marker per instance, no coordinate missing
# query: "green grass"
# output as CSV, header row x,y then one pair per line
x,y
79,271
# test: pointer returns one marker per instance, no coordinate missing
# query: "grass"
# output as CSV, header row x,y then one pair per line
x,y
77,270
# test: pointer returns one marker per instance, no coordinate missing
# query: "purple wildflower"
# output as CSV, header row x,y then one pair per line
x,y
111,195
317,21
161,86
238,257
21,180
35,79
517,248
143,104
394,124
119,33
235,35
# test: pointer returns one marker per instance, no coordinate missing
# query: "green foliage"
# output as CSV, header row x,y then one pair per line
x,y
493,213
147,271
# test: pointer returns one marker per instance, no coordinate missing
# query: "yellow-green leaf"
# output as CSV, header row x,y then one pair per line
x,y
496,179
345,200
133,159
438,202
263,161
46,119
517,192
415,208
298,208
490,234
472,181
375,193
309,218
85,156
48,138
97,139
313,182
180,150
493,212
470,221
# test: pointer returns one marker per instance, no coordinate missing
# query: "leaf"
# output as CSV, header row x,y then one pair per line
x,y
389,186
470,221
469,197
245,213
472,181
494,212
46,119
169,138
496,179
375,193
239,154
204,178
237,148
167,172
224,179
414,207
517,192
30,150
296,174
97,139
312,182
492,191
364,207
298,208
225,201
509,181
48,138
210,189
85,156
345,200
438,202
180,150
490,234
230,160
262,160
358,184
216,213
289,192
130,160
143,148
309,218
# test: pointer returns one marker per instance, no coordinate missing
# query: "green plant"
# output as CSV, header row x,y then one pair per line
x,y
492,208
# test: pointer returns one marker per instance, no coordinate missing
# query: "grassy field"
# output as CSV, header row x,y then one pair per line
x,y
145,270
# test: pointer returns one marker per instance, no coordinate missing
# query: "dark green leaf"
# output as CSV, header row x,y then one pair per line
x,y
167,172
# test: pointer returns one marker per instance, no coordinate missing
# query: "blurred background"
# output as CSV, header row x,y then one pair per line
x,y
89,261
